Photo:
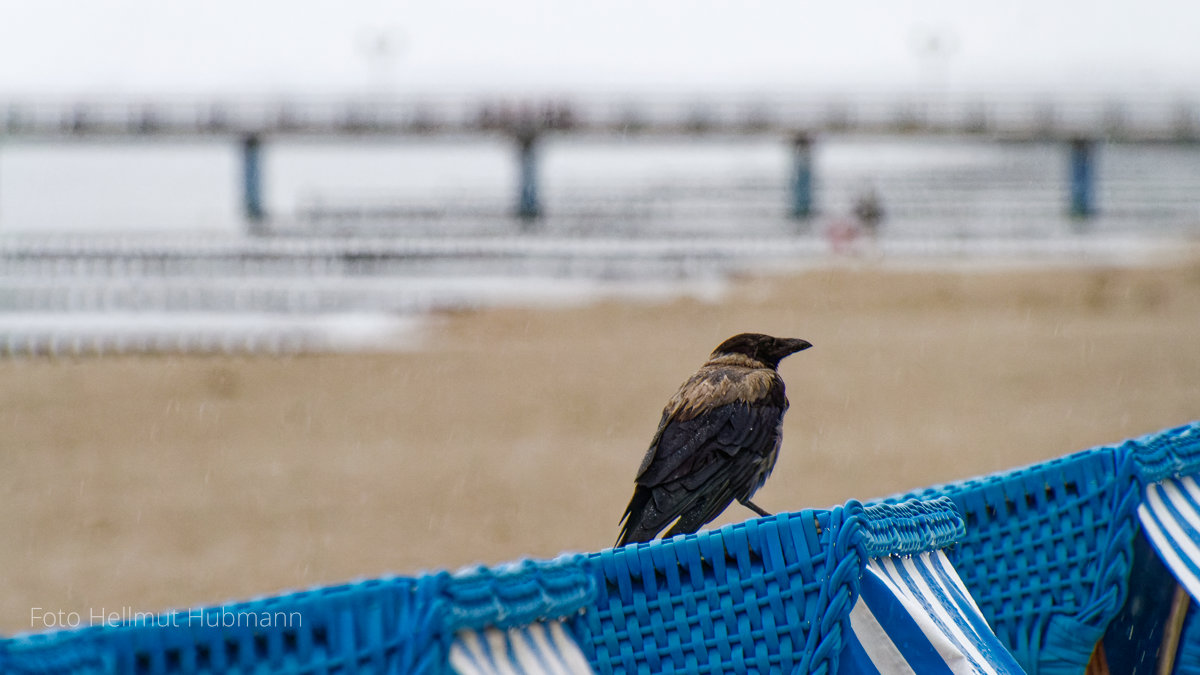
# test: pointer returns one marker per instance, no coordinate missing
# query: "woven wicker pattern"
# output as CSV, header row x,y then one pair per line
x,y
1046,553
397,625
912,527
1166,454
767,595
1048,548
374,626
516,594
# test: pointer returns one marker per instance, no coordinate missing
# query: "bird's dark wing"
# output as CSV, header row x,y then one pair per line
x,y
687,447
702,464
678,445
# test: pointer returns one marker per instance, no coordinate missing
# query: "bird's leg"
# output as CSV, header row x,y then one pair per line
x,y
754,507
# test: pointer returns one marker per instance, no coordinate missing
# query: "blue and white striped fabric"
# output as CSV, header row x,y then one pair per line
x,y
541,647
1170,516
915,616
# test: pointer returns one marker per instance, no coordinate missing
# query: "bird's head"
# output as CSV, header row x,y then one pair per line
x,y
763,348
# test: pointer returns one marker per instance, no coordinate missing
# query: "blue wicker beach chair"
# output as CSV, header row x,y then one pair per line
x,y
1049,549
1160,616
817,591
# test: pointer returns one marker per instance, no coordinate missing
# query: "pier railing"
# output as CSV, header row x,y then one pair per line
x,y
1134,117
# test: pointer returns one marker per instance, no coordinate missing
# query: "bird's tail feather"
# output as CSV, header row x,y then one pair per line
x,y
632,527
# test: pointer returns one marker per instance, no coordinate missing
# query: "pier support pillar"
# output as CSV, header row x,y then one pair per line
x,y
801,184
1083,178
529,206
252,200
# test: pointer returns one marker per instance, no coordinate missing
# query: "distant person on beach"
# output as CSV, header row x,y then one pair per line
x,y
866,214
868,209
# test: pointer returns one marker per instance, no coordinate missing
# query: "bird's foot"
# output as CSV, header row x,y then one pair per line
x,y
754,507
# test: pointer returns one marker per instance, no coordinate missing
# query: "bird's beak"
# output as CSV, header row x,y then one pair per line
x,y
794,345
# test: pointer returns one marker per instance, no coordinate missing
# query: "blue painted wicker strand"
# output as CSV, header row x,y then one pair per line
x,y
912,527
1166,454
850,561
516,594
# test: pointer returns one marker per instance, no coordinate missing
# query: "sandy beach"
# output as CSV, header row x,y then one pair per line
x,y
154,482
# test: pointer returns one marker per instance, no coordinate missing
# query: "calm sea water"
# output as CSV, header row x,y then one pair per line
x,y
929,187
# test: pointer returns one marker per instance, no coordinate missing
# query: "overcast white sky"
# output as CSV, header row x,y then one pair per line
x,y
156,46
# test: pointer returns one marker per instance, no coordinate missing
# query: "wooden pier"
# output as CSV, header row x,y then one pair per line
x,y
1079,122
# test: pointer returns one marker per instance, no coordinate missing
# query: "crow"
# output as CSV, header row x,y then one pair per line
x,y
718,440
